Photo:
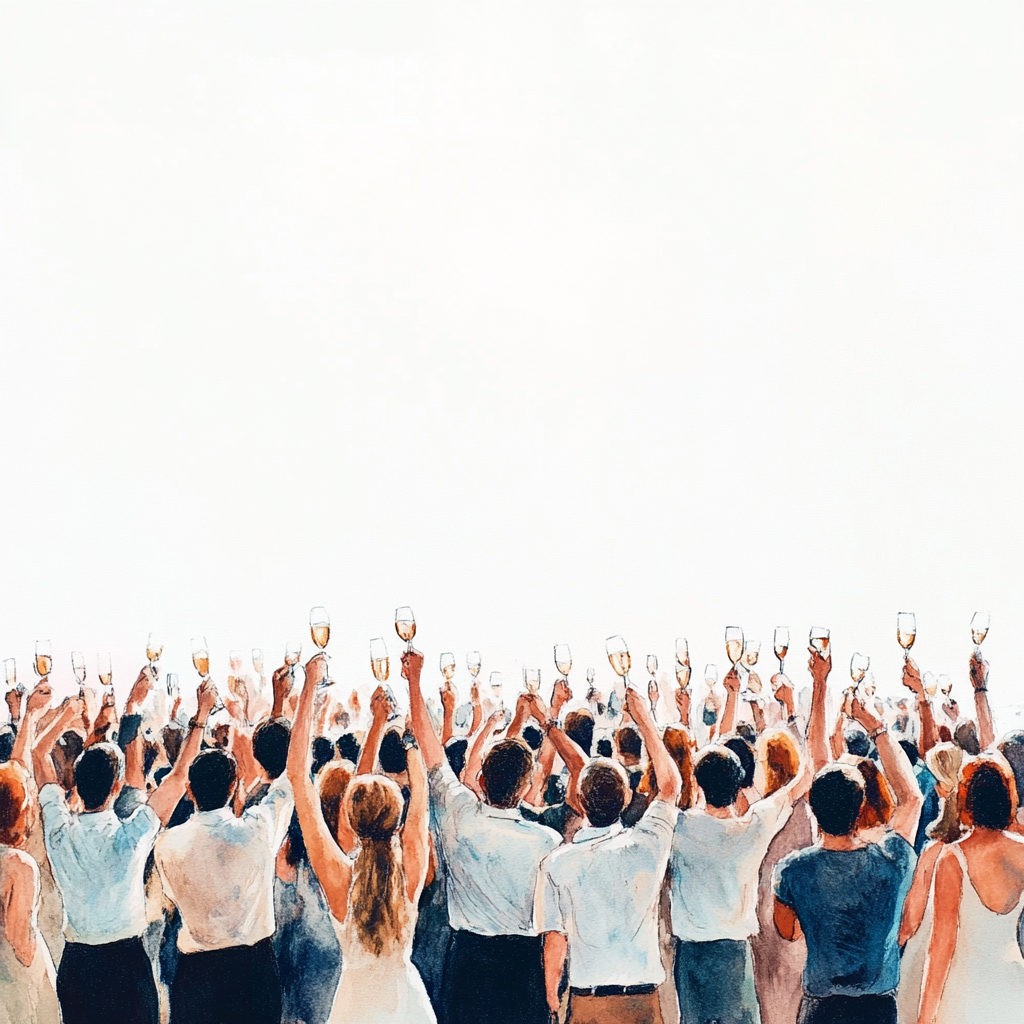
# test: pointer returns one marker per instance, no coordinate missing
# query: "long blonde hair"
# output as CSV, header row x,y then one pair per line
x,y
377,897
944,761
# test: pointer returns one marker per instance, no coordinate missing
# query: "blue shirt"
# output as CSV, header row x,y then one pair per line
x,y
849,904
930,807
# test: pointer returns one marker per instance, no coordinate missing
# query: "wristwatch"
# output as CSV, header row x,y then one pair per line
x,y
548,724
878,732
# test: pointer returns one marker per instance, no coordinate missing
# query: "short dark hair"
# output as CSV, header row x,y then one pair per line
x,y
719,773
554,791
748,762
965,736
604,747
349,748
533,736
210,777
97,770
604,790
627,739
323,752
910,749
988,798
455,751
8,734
392,755
579,727
857,741
836,797
270,745
505,771
174,737
747,731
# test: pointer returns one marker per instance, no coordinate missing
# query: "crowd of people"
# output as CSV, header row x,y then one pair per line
x,y
294,858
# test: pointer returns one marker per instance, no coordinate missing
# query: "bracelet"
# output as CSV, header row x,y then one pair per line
x,y
548,724
878,732
981,689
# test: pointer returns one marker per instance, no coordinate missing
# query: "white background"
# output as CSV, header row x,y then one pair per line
x,y
553,321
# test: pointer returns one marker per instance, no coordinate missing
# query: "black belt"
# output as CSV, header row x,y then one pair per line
x,y
615,990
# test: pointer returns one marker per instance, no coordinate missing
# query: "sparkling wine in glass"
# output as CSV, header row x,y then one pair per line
x,y
906,631
531,679
751,652
11,673
405,624
859,665
154,648
819,640
78,667
563,661
711,674
292,653
473,663
496,686
448,667
979,630
682,662
44,659
380,666
171,681
930,684
320,631
618,655
591,676
781,646
201,657
945,684
103,670
733,643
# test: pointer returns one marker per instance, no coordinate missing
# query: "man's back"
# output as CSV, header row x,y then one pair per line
x,y
849,904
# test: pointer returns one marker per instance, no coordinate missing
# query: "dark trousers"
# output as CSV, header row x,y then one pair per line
x,y
237,985
112,982
715,982
493,979
847,1010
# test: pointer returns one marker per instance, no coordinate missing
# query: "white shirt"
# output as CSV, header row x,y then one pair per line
x,y
602,892
713,870
219,871
99,864
493,857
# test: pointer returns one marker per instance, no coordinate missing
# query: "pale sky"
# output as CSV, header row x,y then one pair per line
x,y
552,321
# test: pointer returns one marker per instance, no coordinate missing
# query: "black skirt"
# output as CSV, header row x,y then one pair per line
x,y
106,983
494,979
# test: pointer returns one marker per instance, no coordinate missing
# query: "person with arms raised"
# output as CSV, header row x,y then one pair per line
x,y
597,897
99,863
493,972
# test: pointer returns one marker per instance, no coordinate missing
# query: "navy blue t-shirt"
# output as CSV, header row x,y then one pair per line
x,y
930,807
849,904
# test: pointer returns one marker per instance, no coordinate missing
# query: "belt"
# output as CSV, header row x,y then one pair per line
x,y
615,990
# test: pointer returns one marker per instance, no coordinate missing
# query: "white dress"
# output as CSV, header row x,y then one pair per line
x,y
384,989
28,995
986,978
908,995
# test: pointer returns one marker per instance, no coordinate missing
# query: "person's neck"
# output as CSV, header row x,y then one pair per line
x,y
841,843
720,812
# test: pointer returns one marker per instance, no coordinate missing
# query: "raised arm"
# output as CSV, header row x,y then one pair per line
x,y
448,703
166,796
574,758
24,742
665,771
475,760
837,738
331,866
422,727
415,834
817,744
380,708
979,680
134,754
898,771
282,683
912,681
732,690
945,925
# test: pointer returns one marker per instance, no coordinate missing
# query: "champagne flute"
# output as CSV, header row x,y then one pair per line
x,y
906,631
44,659
405,627
859,665
78,667
733,643
104,672
781,645
682,663
448,667
751,652
320,631
154,648
819,640
201,661
171,682
380,665
257,664
11,674
945,684
711,674
531,679
235,661
979,630
473,663
930,684
618,654
496,684
292,653
591,676
563,661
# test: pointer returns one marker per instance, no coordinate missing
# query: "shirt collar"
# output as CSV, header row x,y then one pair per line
x,y
94,819
502,812
584,835
217,814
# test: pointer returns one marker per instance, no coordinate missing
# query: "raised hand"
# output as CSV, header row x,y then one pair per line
x,y
653,693
732,681
448,698
316,669
140,688
912,677
380,705
754,682
282,684
39,698
206,698
979,672
683,704
819,665
560,695
868,719
412,664
13,698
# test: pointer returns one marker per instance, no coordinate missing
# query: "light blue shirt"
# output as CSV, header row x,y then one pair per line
x,y
99,863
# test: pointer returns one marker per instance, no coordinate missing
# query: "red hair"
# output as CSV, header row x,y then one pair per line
x,y
15,804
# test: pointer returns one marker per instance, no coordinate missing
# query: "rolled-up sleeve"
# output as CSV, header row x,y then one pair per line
x,y
54,809
547,904
449,798
277,807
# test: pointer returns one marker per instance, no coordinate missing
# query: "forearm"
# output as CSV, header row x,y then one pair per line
x,y
758,712
929,731
371,747
516,725
567,750
816,742
555,947
423,728
475,760
134,756
837,740
24,742
478,716
665,771
986,727
448,726
729,715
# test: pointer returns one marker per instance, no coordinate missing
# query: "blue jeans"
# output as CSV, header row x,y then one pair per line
x,y
715,982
